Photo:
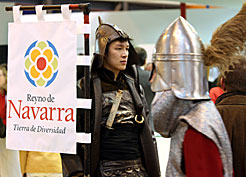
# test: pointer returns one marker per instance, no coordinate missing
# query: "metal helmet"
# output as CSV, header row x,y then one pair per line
x,y
105,34
179,62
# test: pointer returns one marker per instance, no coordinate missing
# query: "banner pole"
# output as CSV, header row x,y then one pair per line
x,y
82,7
87,159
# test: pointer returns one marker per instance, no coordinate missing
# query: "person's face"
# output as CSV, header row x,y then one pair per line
x,y
2,80
117,56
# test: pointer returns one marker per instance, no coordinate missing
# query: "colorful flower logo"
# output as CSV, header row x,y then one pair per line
x,y
41,63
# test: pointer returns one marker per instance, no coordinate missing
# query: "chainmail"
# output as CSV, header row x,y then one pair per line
x,y
168,113
206,119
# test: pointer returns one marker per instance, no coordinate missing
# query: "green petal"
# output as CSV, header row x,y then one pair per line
x,y
55,64
42,45
28,63
41,82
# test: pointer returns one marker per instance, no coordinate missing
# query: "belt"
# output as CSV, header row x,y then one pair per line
x,y
122,168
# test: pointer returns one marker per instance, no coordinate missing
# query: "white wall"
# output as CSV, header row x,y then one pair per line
x,y
143,26
146,26
5,17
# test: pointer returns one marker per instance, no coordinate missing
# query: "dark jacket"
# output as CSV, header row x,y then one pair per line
x,y
232,107
149,151
144,81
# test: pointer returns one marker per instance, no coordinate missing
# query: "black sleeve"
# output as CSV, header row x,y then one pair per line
x,y
142,96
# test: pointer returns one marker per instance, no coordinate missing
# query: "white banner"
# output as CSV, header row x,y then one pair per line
x,y
41,109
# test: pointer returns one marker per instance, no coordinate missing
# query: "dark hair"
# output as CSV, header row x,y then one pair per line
x,y
121,39
235,79
142,55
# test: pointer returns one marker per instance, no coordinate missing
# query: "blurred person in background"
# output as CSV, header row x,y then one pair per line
x,y
148,66
144,78
3,95
216,91
232,107
228,45
9,159
40,164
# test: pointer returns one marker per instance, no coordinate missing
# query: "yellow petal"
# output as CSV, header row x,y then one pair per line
x,y
47,73
35,53
48,54
34,73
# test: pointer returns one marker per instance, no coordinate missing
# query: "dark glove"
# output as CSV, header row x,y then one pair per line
x,y
2,129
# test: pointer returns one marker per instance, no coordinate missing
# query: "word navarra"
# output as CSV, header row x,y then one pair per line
x,y
36,99
42,113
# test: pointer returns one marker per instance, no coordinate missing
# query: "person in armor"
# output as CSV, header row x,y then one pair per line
x,y
182,110
122,140
228,46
